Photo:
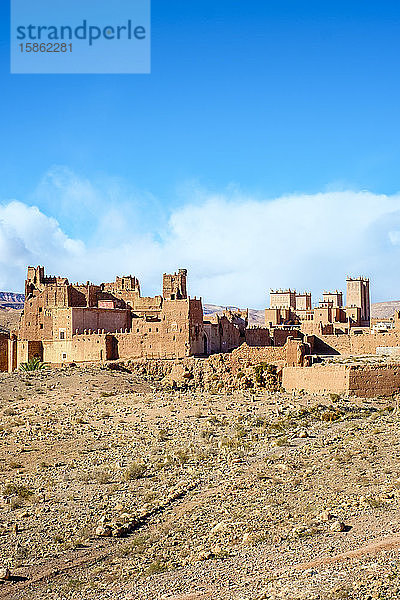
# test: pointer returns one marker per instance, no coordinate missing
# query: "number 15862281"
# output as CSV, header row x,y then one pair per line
x,y
45,47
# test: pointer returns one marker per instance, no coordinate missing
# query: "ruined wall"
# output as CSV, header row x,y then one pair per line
x,y
4,339
296,350
365,343
174,285
281,335
223,336
125,288
277,316
253,355
332,344
147,306
317,380
197,341
100,318
375,380
258,336
364,381
78,295
153,340
12,354
28,349
81,348
368,343
36,320
167,337
218,372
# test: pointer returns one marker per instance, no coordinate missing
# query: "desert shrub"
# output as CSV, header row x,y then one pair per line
x,y
265,375
9,412
101,476
97,475
17,489
162,435
135,470
182,455
35,364
157,566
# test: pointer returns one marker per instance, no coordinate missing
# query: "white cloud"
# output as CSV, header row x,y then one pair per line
x,y
236,247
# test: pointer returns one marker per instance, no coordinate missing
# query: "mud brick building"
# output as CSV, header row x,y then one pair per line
x,y
64,322
291,309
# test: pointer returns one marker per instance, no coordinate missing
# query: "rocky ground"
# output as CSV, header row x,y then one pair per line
x,y
114,487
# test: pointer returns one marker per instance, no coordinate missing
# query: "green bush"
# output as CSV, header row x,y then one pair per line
x,y
35,364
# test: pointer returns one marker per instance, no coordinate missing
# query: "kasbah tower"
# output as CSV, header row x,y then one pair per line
x,y
358,296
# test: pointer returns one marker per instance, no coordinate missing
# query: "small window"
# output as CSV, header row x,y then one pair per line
x,y
62,334
41,325
64,356
40,309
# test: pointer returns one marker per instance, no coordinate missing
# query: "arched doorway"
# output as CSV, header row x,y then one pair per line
x,y
205,340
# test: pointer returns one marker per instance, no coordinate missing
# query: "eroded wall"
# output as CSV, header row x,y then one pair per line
x,y
317,380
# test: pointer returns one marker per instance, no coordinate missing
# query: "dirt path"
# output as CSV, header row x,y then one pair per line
x,y
387,544
59,567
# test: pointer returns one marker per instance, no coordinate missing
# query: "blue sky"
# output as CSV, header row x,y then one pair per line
x,y
246,100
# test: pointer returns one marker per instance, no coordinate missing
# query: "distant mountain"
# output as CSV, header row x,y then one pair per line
x,y
385,310
256,317
379,310
11,300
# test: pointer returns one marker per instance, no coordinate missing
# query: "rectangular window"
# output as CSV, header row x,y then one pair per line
x,y
62,334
